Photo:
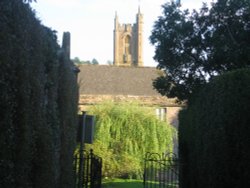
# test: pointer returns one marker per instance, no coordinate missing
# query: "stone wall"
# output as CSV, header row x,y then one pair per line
x,y
145,100
149,101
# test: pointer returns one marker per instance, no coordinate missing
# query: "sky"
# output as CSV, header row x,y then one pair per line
x,y
91,23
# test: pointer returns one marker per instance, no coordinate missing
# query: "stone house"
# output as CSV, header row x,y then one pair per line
x,y
98,83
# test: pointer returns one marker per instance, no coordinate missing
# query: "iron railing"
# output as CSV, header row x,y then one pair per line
x,y
161,171
88,170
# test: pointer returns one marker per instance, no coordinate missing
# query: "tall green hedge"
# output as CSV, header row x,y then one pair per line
x,y
214,134
37,113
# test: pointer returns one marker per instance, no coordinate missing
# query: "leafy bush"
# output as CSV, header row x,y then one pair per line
x,y
124,133
214,134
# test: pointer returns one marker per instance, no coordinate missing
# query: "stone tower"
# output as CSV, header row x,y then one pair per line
x,y
128,42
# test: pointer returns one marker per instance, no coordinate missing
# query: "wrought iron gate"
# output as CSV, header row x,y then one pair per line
x,y
88,170
161,171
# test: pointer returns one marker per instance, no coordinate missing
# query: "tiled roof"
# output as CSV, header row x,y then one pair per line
x,y
114,80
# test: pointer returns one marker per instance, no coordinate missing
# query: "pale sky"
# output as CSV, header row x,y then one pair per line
x,y
91,23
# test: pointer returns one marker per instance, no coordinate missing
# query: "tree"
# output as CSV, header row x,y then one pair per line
x,y
109,62
193,48
94,62
77,61
29,1
124,133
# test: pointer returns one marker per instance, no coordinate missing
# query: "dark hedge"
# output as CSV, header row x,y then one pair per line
x,y
38,102
214,134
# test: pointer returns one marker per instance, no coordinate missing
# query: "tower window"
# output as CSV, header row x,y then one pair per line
x,y
127,48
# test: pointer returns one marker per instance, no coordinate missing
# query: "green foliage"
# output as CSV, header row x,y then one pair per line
x,y
29,1
77,61
94,62
193,48
124,133
214,134
109,62
31,121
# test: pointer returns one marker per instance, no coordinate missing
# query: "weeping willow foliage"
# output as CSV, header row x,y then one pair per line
x,y
124,133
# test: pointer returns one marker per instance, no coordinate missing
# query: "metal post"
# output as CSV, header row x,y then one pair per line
x,y
80,175
92,161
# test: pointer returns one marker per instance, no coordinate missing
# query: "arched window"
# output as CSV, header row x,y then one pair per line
x,y
127,48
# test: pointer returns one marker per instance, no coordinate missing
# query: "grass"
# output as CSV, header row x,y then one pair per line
x,y
122,183
127,183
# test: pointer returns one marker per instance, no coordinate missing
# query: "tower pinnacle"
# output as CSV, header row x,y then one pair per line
x,y
139,6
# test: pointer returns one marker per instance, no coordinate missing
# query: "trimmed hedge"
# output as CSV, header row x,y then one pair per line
x,y
37,114
214,134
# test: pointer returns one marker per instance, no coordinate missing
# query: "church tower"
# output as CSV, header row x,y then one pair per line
x,y
128,42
